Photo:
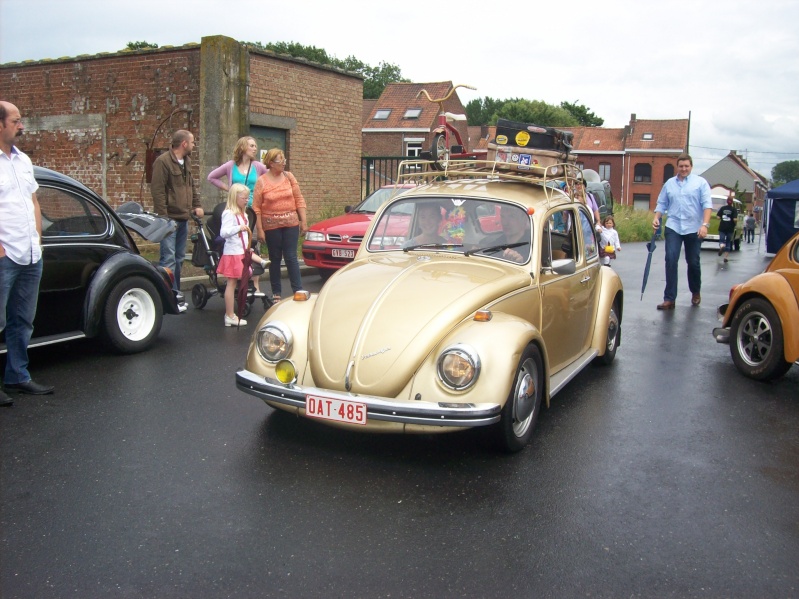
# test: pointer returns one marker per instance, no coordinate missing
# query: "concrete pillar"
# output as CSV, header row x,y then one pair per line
x,y
224,76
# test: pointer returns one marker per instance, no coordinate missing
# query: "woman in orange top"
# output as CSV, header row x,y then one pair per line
x,y
280,218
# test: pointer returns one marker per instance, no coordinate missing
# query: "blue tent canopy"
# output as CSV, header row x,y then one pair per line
x,y
782,214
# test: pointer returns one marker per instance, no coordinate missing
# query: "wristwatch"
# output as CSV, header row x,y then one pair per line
x,y
705,224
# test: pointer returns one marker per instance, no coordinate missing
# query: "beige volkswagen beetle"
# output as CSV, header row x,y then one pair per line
x,y
473,298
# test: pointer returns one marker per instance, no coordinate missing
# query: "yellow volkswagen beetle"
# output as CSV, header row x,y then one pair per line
x,y
474,298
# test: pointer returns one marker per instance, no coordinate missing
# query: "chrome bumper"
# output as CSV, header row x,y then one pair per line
x,y
722,334
377,408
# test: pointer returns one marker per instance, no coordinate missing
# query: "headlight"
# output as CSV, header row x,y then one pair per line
x,y
314,236
274,342
459,367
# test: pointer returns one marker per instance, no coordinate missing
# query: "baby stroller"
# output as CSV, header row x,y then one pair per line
x,y
208,245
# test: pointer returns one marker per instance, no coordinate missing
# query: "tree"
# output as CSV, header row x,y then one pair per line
x,y
536,111
140,45
583,115
785,172
375,79
481,111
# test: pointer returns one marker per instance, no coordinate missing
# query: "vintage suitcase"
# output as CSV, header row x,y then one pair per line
x,y
527,135
538,162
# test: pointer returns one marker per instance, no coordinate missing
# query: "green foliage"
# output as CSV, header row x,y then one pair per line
x,y
631,224
536,111
583,115
480,111
140,45
785,172
375,79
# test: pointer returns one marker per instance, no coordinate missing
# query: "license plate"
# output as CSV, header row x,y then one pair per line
x,y
343,253
335,409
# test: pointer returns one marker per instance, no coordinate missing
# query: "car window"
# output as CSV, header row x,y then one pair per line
x,y
589,237
481,227
559,239
377,199
67,214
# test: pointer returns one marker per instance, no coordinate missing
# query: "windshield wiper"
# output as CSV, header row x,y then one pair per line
x,y
496,248
431,245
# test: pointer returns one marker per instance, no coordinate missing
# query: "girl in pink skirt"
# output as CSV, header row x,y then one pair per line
x,y
235,231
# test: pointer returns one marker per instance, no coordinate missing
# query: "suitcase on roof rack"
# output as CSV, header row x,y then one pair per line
x,y
538,162
533,137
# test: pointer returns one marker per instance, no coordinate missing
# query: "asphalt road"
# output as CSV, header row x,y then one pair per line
x,y
667,474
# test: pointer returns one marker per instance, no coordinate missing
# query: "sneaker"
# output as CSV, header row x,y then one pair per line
x,y
258,293
234,322
180,297
182,307
5,400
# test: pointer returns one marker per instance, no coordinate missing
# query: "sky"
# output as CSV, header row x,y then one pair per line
x,y
732,65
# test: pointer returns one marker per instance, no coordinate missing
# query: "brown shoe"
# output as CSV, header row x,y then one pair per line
x,y
667,305
696,299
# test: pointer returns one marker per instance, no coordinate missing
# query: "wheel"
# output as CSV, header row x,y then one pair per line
x,y
440,151
132,315
756,341
519,415
199,296
246,311
614,333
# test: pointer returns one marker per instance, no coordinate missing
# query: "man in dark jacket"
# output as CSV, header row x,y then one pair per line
x,y
175,196
728,216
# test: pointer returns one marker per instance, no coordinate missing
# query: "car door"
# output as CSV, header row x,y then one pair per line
x,y
75,242
566,297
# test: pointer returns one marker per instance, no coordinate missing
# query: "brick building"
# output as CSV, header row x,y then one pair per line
x,y
101,118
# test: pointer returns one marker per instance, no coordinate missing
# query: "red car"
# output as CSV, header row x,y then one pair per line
x,y
332,243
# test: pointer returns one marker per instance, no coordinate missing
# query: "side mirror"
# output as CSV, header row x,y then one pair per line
x,y
565,266
347,209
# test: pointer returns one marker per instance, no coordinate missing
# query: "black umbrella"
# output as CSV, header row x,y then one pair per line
x,y
246,273
651,247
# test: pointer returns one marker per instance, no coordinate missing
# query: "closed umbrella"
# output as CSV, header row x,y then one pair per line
x,y
246,273
651,247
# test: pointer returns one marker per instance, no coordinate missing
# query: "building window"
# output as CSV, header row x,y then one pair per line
x,y
604,171
641,201
648,137
580,165
413,148
643,173
668,172
381,115
412,113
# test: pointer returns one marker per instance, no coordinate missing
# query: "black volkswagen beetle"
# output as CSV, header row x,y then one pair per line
x,y
94,281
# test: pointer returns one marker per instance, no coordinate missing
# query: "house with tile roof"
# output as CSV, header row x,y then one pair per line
x,y
733,172
400,124
636,160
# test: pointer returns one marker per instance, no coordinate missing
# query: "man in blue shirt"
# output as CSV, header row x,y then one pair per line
x,y
686,199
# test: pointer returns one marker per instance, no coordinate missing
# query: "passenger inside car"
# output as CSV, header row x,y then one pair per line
x,y
428,225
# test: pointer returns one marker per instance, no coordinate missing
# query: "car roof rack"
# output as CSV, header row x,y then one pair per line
x,y
429,171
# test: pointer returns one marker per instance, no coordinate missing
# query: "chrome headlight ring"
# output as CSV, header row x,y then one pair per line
x,y
274,341
458,367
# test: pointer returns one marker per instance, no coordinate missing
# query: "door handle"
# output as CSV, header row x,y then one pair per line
x,y
585,279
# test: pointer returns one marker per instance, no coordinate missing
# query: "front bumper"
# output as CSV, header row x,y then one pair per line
x,y
377,408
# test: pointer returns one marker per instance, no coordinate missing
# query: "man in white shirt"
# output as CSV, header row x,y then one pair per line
x,y
20,256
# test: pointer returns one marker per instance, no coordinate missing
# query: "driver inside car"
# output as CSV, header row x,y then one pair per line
x,y
515,229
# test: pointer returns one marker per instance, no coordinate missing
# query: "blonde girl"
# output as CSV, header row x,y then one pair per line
x,y
234,230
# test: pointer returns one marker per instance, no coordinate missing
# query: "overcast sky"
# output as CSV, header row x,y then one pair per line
x,y
733,65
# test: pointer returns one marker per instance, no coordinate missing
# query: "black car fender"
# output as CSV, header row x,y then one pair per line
x,y
114,270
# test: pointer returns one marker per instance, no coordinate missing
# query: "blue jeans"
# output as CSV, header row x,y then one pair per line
x,y
726,239
282,245
173,251
693,245
19,293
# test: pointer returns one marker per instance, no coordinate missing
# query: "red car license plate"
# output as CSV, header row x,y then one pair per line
x,y
335,409
343,253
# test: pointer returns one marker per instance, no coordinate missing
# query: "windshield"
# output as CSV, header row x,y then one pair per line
x,y
377,199
466,226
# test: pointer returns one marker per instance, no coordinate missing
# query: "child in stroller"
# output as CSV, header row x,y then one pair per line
x,y
207,251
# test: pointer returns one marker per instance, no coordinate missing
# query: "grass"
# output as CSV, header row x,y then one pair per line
x,y
633,225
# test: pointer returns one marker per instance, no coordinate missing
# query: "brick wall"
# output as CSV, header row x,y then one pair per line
x,y
324,148
92,118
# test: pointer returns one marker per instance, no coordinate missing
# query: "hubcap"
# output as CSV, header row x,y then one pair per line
x,y
755,339
135,314
525,395
613,329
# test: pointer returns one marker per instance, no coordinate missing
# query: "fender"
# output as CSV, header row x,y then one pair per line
x,y
610,292
499,343
772,287
112,271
